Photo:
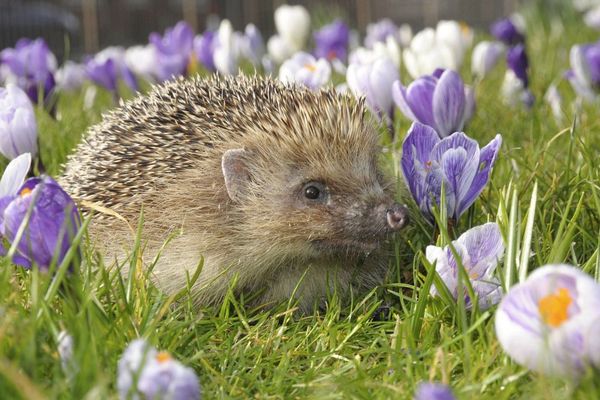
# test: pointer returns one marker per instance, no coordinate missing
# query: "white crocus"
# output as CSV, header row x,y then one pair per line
x,y
425,54
457,36
306,70
485,57
226,54
14,175
549,323
293,25
142,60
479,249
514,92
278,49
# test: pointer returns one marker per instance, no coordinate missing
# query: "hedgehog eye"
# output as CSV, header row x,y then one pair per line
x,y
314,191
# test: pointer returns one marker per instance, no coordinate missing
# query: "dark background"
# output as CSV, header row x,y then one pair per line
x,y
76,27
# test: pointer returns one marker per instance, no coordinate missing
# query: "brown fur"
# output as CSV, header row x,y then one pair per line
x,y
164,151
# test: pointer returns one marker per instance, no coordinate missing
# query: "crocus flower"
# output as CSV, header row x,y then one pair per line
x,y
173,50
65,353
305,69
514,91
18,127
509,30
455,160
549,322
479,250
516,59
426,54
143,372
204,49
485,57
554,100
278,49
143,61
584,74
440,100
387,49
53,222
70,76
516,81
332,41
457,36
14,175
433,391
107,67
32,66
227,51
592,17
253,45
379,32
374,81
293,25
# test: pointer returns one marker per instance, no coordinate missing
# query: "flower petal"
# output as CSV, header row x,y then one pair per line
x,y
416,154
14,175
419,97
458,166
487,158
449,103
483,243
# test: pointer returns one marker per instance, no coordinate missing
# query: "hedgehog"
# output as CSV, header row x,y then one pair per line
x,y
276,189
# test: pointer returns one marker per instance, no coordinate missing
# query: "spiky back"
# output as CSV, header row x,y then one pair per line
x,y
147,141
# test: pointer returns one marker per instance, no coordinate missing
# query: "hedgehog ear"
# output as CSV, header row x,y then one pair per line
x,y
235,172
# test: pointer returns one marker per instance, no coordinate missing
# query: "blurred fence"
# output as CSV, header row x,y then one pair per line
x,y
73,27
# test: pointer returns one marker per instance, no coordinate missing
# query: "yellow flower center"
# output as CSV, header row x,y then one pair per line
x,y
465,29
553,307
310,67
25,192
163,356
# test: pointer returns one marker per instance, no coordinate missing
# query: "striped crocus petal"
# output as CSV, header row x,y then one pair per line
x,y
479,250
545,322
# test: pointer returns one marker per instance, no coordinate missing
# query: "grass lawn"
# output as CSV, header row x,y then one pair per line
x,y
349,351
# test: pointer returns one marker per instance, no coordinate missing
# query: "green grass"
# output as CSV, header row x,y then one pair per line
x,y
345,352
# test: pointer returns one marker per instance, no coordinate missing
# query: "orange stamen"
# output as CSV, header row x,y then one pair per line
x,y
553,307
310,67
163,356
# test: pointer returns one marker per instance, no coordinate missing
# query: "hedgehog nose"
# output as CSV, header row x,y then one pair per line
x,y
397,217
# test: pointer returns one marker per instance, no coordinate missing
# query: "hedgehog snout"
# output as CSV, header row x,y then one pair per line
x,y
397,217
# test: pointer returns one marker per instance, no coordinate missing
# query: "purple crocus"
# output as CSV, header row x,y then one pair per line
x,y
332,41
32,66
173,50
508,30
204,49
433,391
18,127
373,79
549,323
379,32
456,161
51,217
441,101
107,67
516,59
479,250
584,74
144,371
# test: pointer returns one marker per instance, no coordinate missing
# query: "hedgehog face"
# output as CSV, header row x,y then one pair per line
x,y
315,208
